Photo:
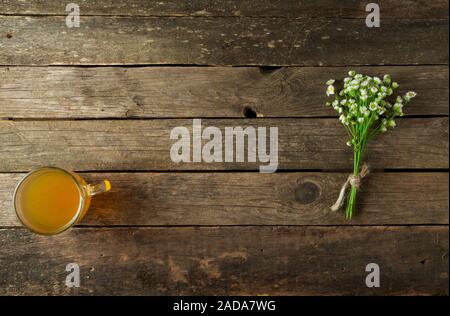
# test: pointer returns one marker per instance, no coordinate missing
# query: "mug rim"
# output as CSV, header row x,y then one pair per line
x,y
75,218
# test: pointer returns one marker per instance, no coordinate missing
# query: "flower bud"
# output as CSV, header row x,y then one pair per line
x,y
391,123
330,90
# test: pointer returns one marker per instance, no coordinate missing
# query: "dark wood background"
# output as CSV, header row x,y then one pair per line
x,y
101,100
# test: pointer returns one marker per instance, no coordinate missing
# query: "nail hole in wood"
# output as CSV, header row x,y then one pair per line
x,y
249,112
8,35
307,192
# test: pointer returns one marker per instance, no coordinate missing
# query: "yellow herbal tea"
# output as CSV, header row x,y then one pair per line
x,y
49,200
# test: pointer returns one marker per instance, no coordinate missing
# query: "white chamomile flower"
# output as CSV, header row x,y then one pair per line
x,y
383,129
383,89
391,123
330,90
330,82
389,91
394,85
335,103
364,97
409,95
398,107
374,89
347,79
387,79
399,99
373,106
362,109
364,83
366,113
358,76
343,101
352,73
377,80
343,119
361,119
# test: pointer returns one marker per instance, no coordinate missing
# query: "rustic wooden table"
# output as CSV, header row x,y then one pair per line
x,y
102,98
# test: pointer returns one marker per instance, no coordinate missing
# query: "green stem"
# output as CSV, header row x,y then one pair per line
x,y
352,196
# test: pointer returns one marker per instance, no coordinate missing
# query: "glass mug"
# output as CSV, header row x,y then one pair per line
x,y
50,200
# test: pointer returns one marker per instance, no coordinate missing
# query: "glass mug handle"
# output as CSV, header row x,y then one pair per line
x,y
90,190
99,187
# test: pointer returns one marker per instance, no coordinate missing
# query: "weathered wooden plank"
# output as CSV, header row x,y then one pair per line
x,y
221,41
263,8
227,261
155,92
254,199
145,144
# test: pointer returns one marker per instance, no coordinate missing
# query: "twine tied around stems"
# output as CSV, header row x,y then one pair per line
x,y
352,180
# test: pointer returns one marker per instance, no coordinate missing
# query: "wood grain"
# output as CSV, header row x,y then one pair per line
x,y
227,261
221,41
145,144
174,199
262,8
164,92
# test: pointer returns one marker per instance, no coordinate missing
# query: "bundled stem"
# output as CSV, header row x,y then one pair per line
x,y
352,196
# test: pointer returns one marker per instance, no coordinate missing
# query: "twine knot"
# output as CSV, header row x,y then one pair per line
x,y
355,181
352,180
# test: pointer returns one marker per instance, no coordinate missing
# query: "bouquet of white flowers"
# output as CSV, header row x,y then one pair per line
x,y
365,110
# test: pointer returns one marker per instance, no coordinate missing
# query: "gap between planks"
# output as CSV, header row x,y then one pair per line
x,y
99,227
